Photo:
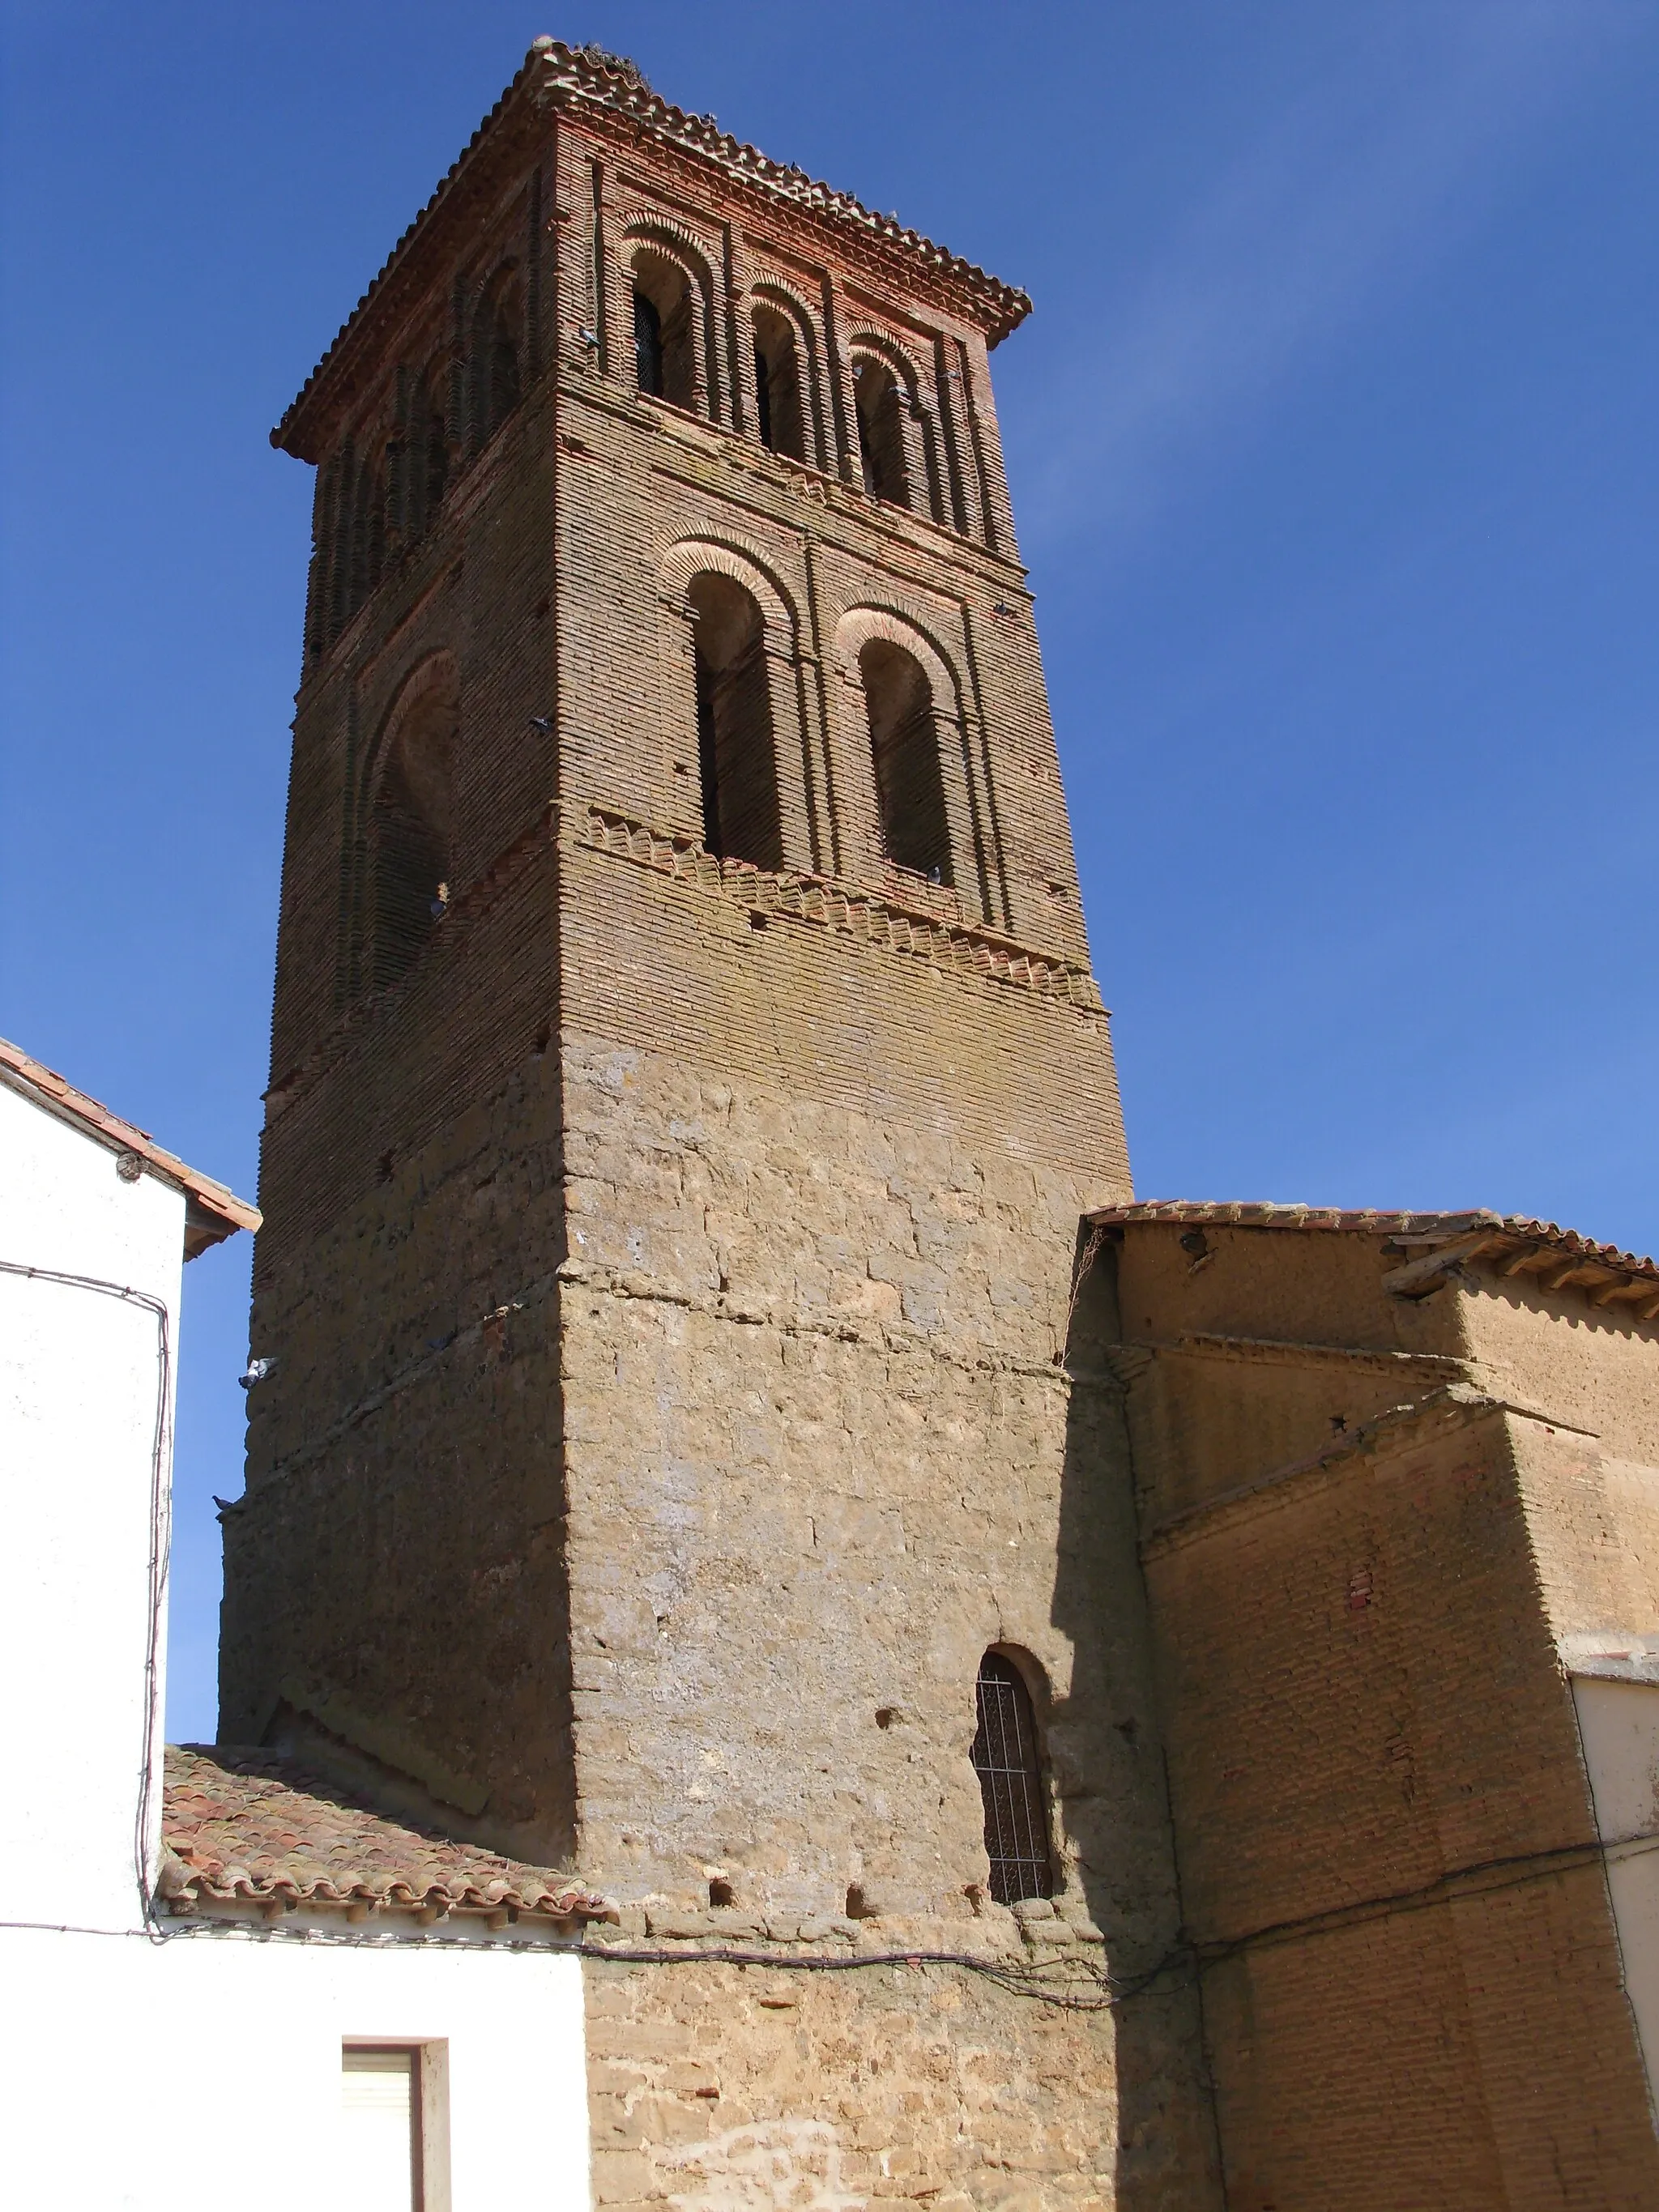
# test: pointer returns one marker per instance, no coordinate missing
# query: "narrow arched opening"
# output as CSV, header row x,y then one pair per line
x,y
904,740
426,452
1008,1762
778,383
736,752
666,306
880,399
410,832
493,358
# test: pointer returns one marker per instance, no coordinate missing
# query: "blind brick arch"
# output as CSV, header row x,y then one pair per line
x,y
403,851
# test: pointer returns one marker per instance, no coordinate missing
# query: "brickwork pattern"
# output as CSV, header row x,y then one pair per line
x,y
1359,1554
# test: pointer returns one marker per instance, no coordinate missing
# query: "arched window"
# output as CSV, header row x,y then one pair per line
x,y
879,398
647,344
909,783
493,358
667,305
740,813
1009,1772
410,831
778,383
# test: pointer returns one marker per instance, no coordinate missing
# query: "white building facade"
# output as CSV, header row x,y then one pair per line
x,y
328,2010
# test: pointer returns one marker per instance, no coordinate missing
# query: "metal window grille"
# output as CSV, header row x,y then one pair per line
x,y
1004,1758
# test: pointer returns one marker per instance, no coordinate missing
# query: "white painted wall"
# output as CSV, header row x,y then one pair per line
x,y
194,2069
204,2072
1618,1726
81,1381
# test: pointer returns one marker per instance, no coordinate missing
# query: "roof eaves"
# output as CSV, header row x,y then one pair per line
x,y
1442,1242
588,73
250,1831
212,1211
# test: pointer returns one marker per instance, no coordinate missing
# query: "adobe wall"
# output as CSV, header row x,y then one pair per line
x,y
1411,1982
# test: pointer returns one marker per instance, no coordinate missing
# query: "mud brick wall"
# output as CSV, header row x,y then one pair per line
x,y
1360,1556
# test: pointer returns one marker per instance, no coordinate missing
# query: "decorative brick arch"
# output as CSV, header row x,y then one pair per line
x,y
680,247
918,405
970,835
434,671
860,624
745,564
867,338
374,960
662,235
771,292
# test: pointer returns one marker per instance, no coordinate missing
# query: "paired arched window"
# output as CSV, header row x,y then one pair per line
x,y
879,400
410,830
779,384
667,305
1007,1761
909,779
736,753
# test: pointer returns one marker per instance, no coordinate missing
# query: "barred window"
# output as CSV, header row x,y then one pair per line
x,y
1004,1758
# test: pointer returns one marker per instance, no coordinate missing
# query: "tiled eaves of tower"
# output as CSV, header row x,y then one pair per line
x,y
604,88
1431,1247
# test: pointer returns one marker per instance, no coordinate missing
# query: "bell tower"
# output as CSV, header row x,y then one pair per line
x,y
687,1070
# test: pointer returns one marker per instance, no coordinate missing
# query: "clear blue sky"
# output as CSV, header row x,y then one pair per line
x,y
1333,442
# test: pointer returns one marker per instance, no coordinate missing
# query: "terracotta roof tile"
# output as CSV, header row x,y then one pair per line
x,y
213,1212
248,1827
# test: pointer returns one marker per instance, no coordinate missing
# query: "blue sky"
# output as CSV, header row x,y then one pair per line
x,y
1332,444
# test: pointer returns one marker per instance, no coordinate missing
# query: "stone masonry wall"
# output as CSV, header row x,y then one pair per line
x,y
726,2086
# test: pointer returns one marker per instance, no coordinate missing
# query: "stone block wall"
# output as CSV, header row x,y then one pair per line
x,y
884,2084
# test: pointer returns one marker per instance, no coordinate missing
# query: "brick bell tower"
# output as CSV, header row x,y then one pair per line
x,y
687,1072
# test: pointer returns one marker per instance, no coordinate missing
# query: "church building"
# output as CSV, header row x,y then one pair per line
x,y
1034,1699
